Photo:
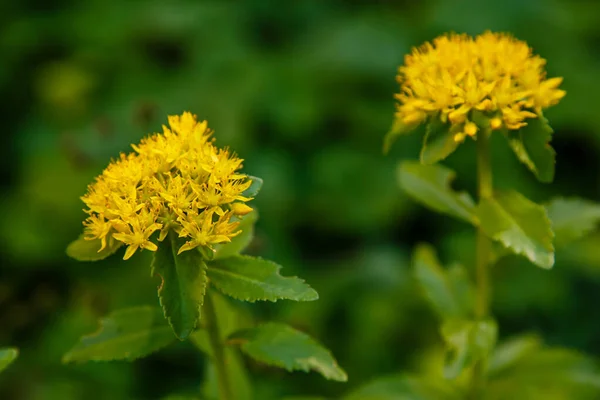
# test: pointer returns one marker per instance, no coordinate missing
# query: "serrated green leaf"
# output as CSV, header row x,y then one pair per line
x,y
124,335
89,250
520,225
254,188
447,294
252,279
467,342
572,218
430,185
531,144
183,286
239,242
438,142
398,129
511,351
406,387
285,347
7,356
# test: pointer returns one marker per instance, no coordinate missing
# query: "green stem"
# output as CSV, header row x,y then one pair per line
x,y
483,250
214,336
484,245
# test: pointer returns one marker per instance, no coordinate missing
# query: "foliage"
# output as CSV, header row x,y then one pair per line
x,y
283,346
185,277
303,92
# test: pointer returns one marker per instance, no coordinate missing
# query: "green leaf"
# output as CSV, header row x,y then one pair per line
x,y
398,129
406,387
254,188
285,347
251,279
448,291
124,335
183,286
7,356
239,242
531,144
551,373
430,185
88,250
572,218
520,225
438,143
467,342
511,351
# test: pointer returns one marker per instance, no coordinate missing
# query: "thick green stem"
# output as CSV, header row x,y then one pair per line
x,y
484,245
483,250
214,336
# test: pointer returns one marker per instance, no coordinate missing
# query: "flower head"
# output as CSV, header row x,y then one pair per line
x,y
177,181
457,75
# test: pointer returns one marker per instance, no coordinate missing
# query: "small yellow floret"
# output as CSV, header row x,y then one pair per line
x,y
459,137
470,129
495,123
177,181
492,73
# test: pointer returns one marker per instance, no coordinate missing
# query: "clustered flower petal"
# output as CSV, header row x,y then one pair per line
x,y
177,181
492,73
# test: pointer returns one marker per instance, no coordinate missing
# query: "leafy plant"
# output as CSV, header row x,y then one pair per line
x,y
185,200
462,87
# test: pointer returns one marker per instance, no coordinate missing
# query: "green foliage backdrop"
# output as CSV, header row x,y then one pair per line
x,y
303,92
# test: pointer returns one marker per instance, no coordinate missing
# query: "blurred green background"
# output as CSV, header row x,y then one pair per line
x,y
303,91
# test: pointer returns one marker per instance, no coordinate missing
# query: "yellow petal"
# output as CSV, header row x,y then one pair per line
x,y
185,247
240,209
131,249
150,246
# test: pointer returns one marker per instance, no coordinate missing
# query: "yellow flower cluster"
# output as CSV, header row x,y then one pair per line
x,y
176,181
493,73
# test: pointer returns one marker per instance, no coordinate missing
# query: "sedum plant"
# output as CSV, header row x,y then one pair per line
x,y
187,201
461,88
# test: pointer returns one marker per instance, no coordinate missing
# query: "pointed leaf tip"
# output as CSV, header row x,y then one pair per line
x,y
282,346
521,225
255,279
